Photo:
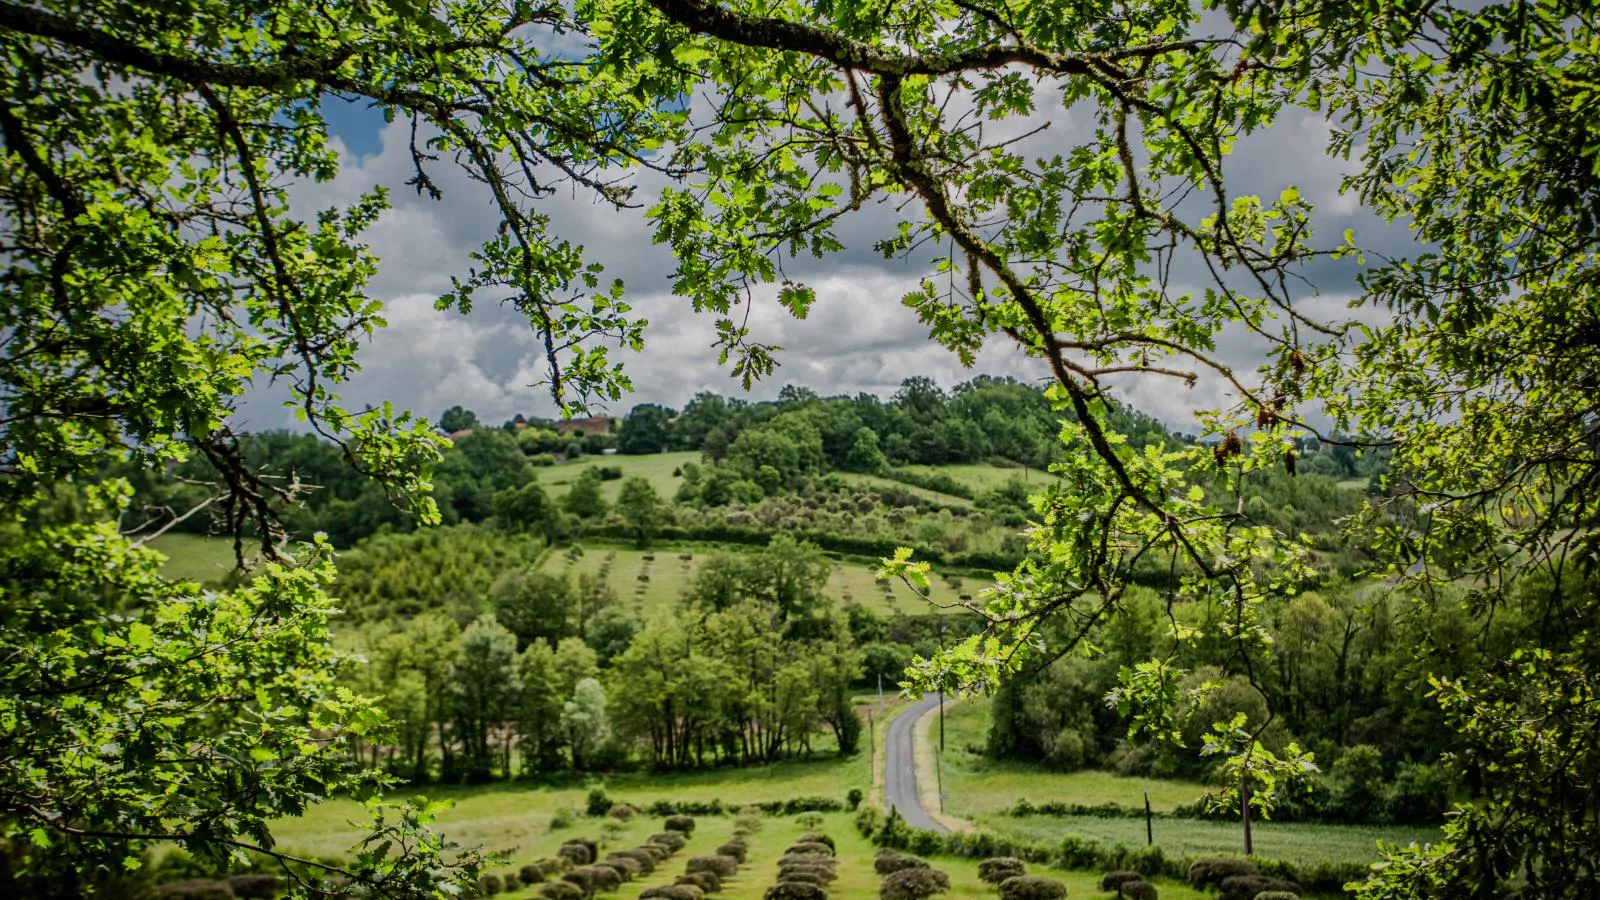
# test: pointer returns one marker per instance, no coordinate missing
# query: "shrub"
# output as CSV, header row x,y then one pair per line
x,y
672,840
807,859
723,866
824,873
254,886
552,866
805,848
1211,871
644,860
795,890
684,825
672,892
489,885
656,852
1275,895
1143,890
994,871
513,882
627,867
705,881
735,849
812,837
577,854
564,818
196,890
623,812
1246,887
808,876
1032,887
889,862
608,877
560,890
913,884
748,822
1113,880
530,874
853,798
598,803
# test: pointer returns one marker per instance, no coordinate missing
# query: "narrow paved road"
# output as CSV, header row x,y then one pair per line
x,y
900,770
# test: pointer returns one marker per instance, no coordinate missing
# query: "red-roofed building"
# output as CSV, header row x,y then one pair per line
x,y
584,427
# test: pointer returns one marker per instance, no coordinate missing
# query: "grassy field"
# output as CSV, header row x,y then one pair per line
x,y
979,789
978,785
655,579
194,557
657,468
1296,842
982,476
874,481
519,825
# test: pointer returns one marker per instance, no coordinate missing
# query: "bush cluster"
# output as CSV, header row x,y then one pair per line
x,y
1247,887
813,837
795,890
721,866
913,884
1137,890
560,890
1115,879
578,853
889,862
735,848
809,848
672,840
1032,887
1210,872
707,882
998,869
672,892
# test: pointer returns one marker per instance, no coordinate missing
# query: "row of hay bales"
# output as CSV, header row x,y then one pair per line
x,y
805,870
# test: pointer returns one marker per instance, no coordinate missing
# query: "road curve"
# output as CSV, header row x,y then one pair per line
x,y
900,769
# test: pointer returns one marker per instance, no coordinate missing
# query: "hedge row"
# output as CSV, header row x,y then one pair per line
x,y
1077,853
789,807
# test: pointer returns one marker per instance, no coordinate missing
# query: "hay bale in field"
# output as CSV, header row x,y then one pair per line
x,y
683,825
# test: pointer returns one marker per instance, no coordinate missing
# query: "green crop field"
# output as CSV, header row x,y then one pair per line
x,y
978,785
982,476
194,557
980,789
657,468
875,481
654,579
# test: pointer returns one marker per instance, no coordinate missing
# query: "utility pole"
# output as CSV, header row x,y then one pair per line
x,y
941,690
1149,832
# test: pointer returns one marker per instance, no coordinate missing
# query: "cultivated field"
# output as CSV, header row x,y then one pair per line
x,y
980,789
658,468
656,579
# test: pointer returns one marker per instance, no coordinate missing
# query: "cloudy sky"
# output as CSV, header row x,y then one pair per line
x,y
858,336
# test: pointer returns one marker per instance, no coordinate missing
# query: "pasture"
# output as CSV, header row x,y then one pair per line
x,y
651,580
